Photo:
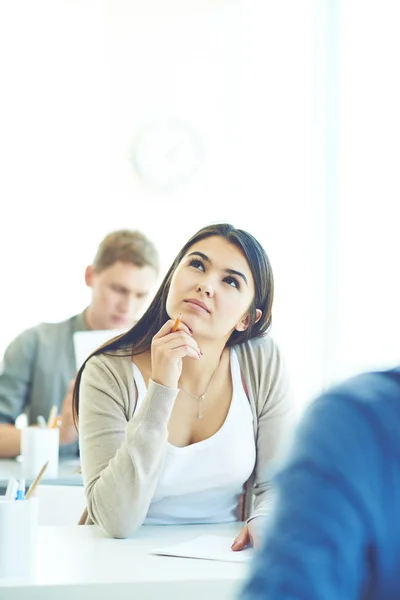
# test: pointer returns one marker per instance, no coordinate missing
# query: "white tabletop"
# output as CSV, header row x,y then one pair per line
x,y
67,472
80,562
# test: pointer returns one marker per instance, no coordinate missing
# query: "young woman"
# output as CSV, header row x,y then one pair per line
x,y
179,426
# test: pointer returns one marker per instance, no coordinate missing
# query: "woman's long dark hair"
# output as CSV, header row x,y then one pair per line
x,y
138,338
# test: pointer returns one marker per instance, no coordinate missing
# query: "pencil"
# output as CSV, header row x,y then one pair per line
x,y
36,482
176,324
52,415
57,423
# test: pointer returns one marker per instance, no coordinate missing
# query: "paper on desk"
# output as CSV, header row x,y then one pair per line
x,y
207,547
86,342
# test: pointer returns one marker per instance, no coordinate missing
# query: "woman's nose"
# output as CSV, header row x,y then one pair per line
x,y
205,288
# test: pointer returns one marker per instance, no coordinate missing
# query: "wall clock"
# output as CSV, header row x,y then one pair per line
x,y
166,154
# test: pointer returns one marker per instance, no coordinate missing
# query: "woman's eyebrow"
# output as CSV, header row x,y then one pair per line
x,y
242,275
203,256
230,271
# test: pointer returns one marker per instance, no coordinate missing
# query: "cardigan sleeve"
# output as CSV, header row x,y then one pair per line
x,y
121,458
276,416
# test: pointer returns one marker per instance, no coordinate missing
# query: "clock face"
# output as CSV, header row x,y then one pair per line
x,y
167,154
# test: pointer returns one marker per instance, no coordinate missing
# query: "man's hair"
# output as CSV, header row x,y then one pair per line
x,y
126,246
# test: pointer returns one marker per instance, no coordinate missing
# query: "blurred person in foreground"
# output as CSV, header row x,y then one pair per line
x,y
334,532
39,366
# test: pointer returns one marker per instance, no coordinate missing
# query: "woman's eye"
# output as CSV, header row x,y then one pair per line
x,y
195,262
232,282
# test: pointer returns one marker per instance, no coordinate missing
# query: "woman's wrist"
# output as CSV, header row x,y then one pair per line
x,y
162,385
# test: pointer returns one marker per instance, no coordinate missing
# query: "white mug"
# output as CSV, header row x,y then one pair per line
x,y
39,445
18,537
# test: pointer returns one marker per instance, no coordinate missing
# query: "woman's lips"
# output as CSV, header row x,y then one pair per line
x,y
198,305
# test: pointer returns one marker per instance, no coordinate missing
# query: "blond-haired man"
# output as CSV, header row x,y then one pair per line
x,y
39,365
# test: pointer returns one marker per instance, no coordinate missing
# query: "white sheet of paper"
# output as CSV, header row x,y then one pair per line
x,y
207,547
86,342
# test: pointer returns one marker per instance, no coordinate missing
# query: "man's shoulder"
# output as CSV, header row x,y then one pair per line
x,y
368,402
369,389
46,328
42,340
46,331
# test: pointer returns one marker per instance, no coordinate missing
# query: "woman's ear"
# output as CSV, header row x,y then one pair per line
x,y
245,321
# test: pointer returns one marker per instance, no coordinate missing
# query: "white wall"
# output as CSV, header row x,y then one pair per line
x,y
368,282
83,79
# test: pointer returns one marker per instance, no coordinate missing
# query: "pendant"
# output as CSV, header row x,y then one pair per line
x,y
200,413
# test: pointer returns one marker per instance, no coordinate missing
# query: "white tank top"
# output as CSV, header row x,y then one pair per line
x,y
203,482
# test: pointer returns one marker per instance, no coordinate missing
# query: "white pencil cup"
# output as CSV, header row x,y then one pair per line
x,y
18,537
39,445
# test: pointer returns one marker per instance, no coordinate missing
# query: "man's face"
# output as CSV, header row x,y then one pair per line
x,y
118,293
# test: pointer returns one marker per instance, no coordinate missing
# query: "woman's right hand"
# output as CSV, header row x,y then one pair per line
x,y
167,350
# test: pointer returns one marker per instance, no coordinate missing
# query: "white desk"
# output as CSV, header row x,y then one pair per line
x,y
67,474
82,563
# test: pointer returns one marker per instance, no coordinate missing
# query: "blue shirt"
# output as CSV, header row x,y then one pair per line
x,y
335,528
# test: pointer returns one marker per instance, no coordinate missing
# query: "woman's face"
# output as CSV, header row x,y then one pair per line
x,y
213,288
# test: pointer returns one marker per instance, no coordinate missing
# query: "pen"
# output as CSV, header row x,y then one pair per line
x,y
41,421
12,489
57,423
176,324
52,415
21,490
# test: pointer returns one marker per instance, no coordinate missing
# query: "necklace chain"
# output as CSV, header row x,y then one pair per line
x,y
201,398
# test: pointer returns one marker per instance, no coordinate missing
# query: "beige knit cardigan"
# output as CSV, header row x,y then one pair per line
x,y
122,449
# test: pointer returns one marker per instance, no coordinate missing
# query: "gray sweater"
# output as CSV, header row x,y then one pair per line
x,y
36,371
122,450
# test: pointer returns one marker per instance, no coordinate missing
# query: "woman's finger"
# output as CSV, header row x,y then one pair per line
x,y
167,328
186,350
164,350
242,540
174,340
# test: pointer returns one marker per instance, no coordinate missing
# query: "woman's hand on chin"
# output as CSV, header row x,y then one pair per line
x,y
167,350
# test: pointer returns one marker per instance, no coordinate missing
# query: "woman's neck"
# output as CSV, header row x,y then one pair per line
x,y
196,374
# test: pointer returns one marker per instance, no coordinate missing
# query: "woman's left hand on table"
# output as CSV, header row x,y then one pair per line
x,y
248,536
